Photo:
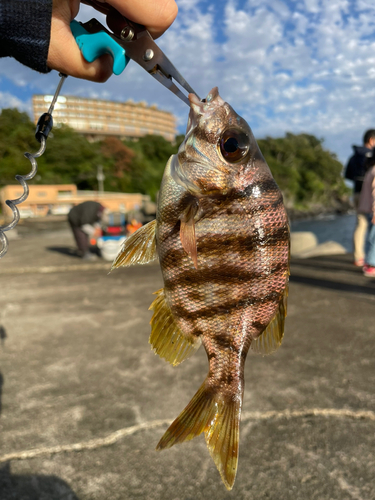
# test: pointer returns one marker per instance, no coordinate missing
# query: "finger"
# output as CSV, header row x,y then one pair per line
x,y
157,16
65,56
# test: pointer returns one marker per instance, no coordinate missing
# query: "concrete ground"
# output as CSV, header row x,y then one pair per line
x,y
84,400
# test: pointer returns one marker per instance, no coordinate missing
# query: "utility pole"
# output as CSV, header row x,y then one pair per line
x,y
100,176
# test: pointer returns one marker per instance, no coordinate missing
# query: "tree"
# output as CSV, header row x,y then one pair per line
x,y
305,171
16,137
147,167
68,158
118,158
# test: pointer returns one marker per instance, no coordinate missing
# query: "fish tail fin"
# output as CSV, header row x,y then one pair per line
x,y
219,419
222,439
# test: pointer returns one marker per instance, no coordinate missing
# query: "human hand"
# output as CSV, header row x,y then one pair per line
x,y
64,54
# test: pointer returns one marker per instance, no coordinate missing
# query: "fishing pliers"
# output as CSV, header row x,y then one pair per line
x,y
125,40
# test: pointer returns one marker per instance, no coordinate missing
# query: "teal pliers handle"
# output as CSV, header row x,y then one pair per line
x,y
94,45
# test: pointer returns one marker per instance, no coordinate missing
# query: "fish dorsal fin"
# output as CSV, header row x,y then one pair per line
x,y
187,232
139,248
166,338
270,340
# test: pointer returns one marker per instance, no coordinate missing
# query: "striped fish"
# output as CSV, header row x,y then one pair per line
x,y
222,238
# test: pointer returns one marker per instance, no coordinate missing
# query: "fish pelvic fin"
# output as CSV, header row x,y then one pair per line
x,y
187,232
166,338
139,248
219,419
188,240
270,340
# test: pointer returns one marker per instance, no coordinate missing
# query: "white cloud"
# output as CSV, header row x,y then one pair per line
x,y
8,100
312,6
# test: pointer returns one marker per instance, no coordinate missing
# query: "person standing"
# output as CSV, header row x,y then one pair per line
x,y
84,220
366,206
355,171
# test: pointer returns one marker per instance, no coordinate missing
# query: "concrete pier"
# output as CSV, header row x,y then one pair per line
x,y
84,400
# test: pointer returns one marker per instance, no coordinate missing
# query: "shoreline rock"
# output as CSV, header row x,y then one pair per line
x,y
304,244
336,207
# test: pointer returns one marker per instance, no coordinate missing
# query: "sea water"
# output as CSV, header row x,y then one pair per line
x,y
337,228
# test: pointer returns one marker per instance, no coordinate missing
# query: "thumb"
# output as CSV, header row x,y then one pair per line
x,y
64,54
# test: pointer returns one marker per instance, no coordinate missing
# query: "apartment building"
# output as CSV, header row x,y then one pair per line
x,y
97,118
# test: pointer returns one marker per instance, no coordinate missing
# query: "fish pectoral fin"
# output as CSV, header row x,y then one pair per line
x,y
166,338
187,232
188,241
220,421
139,248
270,340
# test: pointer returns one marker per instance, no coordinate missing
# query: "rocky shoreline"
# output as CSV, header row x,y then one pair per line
x,y
315,210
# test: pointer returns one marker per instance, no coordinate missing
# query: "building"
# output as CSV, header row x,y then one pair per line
x,y
97,119
59,199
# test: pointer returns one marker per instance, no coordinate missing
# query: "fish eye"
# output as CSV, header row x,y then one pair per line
x,y
234,145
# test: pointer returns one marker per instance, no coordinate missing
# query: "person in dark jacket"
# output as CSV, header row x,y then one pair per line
x,y
355,171
85,219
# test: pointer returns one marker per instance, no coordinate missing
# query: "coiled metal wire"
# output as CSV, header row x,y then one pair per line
x,y
12,203
43,128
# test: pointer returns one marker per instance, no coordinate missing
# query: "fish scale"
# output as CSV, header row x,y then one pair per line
x,y
222,237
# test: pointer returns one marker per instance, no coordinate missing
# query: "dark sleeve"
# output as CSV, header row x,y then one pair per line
x,y
87,212
90,212
350,169
25,27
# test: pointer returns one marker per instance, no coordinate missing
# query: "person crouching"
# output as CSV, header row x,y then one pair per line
x,y
85,222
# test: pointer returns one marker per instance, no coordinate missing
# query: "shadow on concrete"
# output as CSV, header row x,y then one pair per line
x,y
72,252
325,263
1,390
344,259
334,285
332,272
3,335
33,486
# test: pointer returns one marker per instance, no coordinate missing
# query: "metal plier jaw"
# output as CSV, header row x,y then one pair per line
x,y
127,40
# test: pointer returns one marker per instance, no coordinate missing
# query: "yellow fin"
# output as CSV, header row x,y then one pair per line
x,y
166,338
222,439
270,340
188,241
187,232
219,420
139,248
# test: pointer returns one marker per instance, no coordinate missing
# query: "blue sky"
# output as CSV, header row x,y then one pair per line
x,y
284,65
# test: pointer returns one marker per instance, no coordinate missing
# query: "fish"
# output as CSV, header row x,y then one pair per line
x,y
222,238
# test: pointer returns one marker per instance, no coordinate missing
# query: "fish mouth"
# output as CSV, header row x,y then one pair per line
x,y
199,107
196,104
196,110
